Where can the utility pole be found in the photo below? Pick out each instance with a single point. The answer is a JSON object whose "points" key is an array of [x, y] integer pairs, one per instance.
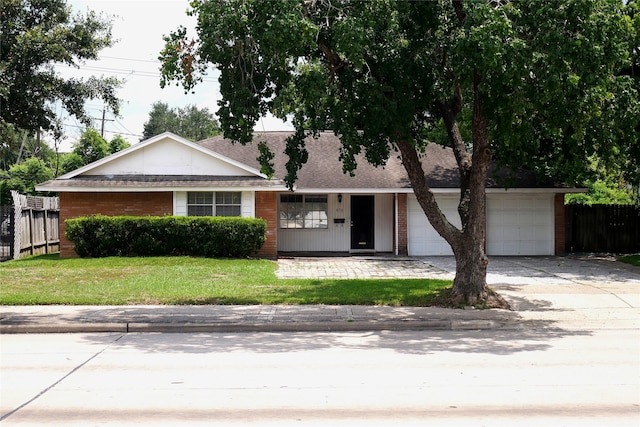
{"points": [[104, 120]]}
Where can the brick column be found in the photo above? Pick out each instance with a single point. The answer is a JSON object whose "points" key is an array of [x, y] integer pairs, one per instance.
{"points": [[267, 209], [402, 243], [559, 226]]}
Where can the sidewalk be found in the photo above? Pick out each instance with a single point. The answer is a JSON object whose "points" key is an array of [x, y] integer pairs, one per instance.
{"points": [[544, 292]]}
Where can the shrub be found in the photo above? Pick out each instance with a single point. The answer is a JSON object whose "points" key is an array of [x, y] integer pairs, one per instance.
{"points": [[100, 236]]}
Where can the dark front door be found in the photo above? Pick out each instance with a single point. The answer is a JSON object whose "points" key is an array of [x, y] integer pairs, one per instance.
{"points": [[362, 223]]}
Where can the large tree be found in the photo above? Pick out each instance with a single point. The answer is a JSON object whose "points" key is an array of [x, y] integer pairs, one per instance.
{"points": [[190, 122], [91, 147], [535, 83], [36, 35]]}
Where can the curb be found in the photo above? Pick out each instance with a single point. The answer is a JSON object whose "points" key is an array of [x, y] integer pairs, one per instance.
{"points": [[331, 326]]}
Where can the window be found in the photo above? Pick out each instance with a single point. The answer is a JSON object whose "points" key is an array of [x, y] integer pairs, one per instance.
{"points": [[303, 211], [228, 204], [201, 203]]}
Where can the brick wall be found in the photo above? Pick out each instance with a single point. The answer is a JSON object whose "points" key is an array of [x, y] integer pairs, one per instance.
{"points": [[402, 225], [266, 208], [559, 219], [73, 205]]}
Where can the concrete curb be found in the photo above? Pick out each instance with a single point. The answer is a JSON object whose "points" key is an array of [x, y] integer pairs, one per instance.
{"points": [[327, 326]]}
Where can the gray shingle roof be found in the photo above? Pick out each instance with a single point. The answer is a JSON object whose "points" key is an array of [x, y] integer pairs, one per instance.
{"points": [[324, 170]]}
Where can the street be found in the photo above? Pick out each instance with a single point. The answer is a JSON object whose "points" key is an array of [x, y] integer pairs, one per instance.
{"points": [[547, 377]]}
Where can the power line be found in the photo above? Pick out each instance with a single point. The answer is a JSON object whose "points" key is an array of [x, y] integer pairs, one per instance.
{"points": [[107, 131], [125, 72], [131, 59]]}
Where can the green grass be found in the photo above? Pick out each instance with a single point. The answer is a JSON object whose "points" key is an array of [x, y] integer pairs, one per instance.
{"points": [[631, 259], [182, 280]]}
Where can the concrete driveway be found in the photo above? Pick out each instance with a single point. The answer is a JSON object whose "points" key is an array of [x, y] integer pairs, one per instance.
{"points": [[582, 292]]}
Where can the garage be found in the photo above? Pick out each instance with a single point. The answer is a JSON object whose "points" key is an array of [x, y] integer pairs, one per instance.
{"points": [[517, 224], [520, 225], [422, 239]]}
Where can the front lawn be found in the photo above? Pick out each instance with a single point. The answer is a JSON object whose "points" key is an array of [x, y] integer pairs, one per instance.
{"points": [[48, 279]]}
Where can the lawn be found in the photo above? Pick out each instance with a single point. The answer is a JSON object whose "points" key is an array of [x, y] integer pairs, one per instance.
{"points": [[631, 259], [48, 279]]}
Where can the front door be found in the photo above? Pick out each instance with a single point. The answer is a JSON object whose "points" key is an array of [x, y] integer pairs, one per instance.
{"points": [[362, 222]]}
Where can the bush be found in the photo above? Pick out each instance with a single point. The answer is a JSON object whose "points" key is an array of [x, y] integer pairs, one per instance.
{"points": [[215, 237]]}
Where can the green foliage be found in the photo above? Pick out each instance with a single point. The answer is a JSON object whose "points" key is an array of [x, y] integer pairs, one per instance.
{"points": [[535, 84], [186, 280], [71, 161], [36, 34], [631, 259], [16, 145], [118, 143], [603, 193], [23, 178], [90, 148], [376, 72], [100, 236], [190, 122]]}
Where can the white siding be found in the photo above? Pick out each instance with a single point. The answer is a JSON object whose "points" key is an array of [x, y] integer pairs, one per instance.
{"points": [[337, 237], [384, 221], [168, 157], [180, 203], [248, 204]]}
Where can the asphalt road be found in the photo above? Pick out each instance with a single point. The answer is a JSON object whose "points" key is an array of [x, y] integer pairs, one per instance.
{"points": [[533, 377]]}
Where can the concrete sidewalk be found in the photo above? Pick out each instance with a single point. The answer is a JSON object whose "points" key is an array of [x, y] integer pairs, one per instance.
{"points": [[544, 292]]}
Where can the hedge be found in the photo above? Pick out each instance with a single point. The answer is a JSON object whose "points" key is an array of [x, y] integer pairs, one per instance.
{"points": [[101, 236]]}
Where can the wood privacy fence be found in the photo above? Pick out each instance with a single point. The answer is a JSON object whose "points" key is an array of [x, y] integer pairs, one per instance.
{"points": [[30, 226], [602, 228]]}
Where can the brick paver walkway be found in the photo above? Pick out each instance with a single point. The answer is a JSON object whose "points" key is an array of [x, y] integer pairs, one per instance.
{"points": [[358, 268]]}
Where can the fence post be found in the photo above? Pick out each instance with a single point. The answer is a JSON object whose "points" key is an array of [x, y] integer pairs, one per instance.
{"points": [[46, 233], [17, 215]]}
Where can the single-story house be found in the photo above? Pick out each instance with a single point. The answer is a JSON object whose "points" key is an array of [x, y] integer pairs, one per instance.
{"points": [[329, 211]]}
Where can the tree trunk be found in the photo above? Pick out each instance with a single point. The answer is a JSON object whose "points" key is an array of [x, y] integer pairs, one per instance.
{"points": [[468, 243]]}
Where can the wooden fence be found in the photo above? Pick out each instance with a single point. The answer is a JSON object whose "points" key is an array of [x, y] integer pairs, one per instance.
{"points": [[31, 227], [602, 228]]}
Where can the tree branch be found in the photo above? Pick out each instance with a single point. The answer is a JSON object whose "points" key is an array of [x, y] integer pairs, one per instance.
{"points": [[460, 13]]}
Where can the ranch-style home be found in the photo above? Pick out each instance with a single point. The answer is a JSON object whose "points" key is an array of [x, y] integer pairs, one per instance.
{"points": [[328, 212]]}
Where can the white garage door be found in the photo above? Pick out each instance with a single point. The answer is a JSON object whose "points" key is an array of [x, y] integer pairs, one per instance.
{"points": [[422, 239], [516, 225], [520, 225]]}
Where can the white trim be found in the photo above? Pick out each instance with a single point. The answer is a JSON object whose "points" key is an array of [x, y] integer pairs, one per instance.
{"points": [[452, 191], [64, 189], [396, 249]]}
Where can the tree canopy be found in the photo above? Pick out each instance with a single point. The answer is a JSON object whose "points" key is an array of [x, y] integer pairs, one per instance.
{"points": [[36, 35], [526, 83], [91, 147], [190, 122]]}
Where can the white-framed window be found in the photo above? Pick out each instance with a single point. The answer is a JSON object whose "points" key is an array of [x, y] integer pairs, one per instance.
{"points": [[303, 211], [208, 203]]}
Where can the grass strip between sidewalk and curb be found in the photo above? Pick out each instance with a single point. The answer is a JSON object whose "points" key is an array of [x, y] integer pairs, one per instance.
{"points": [[47, 279]]}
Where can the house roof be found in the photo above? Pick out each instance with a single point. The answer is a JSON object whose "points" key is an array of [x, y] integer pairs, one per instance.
{"points": [[168, 162], [324, 171]]}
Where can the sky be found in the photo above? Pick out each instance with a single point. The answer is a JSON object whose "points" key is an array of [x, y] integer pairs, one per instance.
{"points": [[138, 28]]}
